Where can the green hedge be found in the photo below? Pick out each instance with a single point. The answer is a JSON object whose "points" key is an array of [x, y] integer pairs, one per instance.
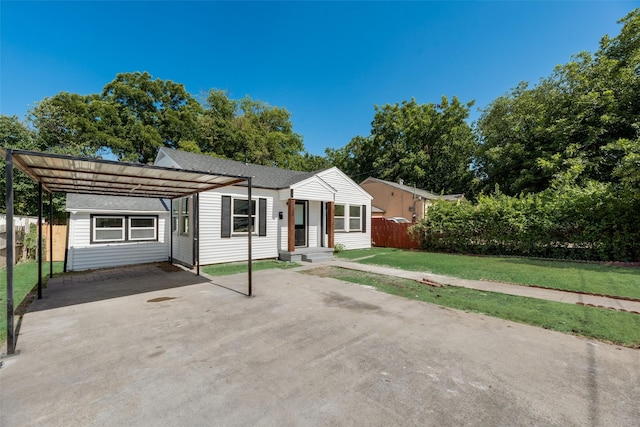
{"points": [[594, 222]]}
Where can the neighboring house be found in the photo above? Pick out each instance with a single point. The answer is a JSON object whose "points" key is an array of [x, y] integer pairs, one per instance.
{"points": [[376, 212], [315, 201], [399, 200]]}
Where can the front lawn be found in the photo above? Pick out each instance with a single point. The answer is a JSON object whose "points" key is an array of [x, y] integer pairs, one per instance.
{"points": [[241, 267], [616, 327], [573, 276], [25, 279]]}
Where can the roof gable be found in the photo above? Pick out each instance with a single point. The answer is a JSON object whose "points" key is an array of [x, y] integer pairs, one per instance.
{"points": [[344, 178]]}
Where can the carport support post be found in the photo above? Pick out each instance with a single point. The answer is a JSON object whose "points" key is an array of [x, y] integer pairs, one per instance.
{"points": [[11, 347], [39, 240], [250, 229], [196, 232], [50, 235]]}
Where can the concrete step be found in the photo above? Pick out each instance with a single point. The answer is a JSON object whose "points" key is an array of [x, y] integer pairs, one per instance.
{"points": [[318, 257]]}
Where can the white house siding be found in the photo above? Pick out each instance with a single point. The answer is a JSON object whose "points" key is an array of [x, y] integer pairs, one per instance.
{"points": [[349, 193], [314, 225], [282, 228], [312, 189], [214, 249], [182, 248], [83, 255], [182, 244]]}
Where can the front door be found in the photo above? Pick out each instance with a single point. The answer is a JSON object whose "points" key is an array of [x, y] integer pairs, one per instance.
{"points": [[301, 223]]}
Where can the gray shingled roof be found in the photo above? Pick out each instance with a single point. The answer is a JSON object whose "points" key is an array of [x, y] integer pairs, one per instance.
{"points": [[263, 176], [423, 193], [115, 203]]}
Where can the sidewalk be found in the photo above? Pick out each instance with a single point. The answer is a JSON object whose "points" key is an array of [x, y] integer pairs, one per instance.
{"points": [[504, 288]]}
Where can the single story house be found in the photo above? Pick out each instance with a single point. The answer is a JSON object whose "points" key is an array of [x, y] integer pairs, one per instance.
{"points": [[399, 200], [296, 216]]}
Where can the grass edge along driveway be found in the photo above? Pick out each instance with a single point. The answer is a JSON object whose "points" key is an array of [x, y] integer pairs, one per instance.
{"points": [[25, 279], [604, 325], [599, 279]]}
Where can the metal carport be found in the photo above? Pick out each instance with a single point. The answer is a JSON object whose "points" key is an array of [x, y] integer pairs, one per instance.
{"points": [[56, 173]]}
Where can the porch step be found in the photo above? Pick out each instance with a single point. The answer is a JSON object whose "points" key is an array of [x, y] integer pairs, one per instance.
{"points": [[317, 257], [307, 255]]}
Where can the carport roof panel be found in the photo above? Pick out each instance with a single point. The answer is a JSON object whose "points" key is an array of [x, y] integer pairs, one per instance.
{"points": [[83, 175]]}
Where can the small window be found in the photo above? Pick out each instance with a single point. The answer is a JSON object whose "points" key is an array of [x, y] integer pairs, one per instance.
{"points": [[142, 228], [184, 216], [108, 229], [240, 215], [338, 217], [354, 218], [174, 216]]}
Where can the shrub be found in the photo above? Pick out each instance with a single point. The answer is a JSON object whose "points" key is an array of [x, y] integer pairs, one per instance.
{"points": [[594, 222]]}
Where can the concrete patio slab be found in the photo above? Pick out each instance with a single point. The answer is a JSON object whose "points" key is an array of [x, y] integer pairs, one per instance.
{"points": [[304, 351]]}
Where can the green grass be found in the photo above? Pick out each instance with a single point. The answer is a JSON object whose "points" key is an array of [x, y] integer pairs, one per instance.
{"points": [[601, 324], [25, 279], [241, 267], [581, 277]]}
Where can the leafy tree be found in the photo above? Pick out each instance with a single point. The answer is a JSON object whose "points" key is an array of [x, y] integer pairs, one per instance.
{"points": [[428, 145], [587, 111], [132, 117], [74, 124], [249, 130], [14, 134], [149, 114]]}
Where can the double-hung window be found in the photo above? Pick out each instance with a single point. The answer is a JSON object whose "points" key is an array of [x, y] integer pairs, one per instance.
{"points": [[241, 215], [235, 217], [123, 228], [108, 229], [350, 218], [143, 228], [354, 218]]}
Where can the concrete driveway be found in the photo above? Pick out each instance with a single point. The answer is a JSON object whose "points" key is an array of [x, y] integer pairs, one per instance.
{"points": [[172, 349]]}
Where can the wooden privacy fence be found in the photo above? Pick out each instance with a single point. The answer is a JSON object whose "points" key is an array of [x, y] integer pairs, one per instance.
{"points": [[390, 234], [59, 241]]}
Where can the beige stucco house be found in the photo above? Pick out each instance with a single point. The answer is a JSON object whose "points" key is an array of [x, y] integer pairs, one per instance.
{"points": [[398, 200]]}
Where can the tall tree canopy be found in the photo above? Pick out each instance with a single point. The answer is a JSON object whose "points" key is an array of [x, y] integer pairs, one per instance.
{"points": [[132, 117], [428, 145], [135, 115], [585, 117], [14, 134], [249, 130], [149, 114]]}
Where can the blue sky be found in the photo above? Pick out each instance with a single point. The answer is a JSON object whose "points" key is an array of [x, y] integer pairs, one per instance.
{"points": [[328, 63]]}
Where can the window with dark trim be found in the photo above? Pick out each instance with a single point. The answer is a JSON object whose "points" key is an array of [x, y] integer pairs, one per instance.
{"points": [[235, 216], [143, 228], [108, 229], [354, 218], [350, 218], [240, 218], [123, 228]]}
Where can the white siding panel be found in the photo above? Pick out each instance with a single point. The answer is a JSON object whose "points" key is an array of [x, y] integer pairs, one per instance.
{"points": [[349, 193], [313, 190], [282, 225], [84, 256], [182, 249], [214, 249]]}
